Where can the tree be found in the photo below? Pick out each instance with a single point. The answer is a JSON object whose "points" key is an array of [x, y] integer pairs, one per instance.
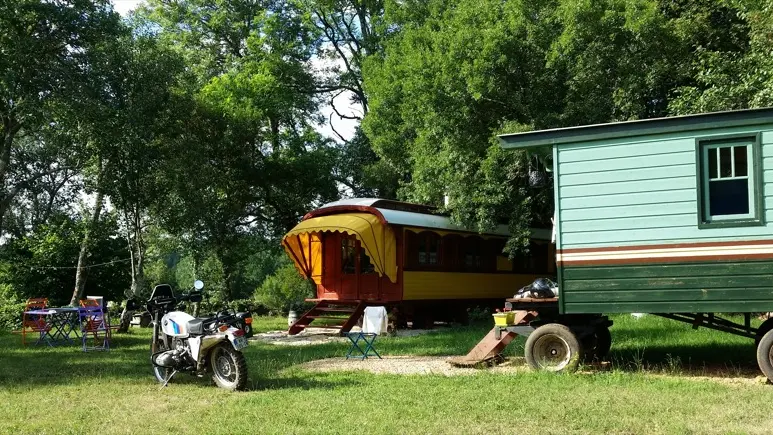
{"points": [[249, 160], [733, 69], [454, 74], [45, 47], [134, 104], [41, 264]]}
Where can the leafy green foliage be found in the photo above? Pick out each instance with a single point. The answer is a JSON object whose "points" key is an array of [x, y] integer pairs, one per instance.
{"points": [[197, 119], [452, 75], [285, 290], [42, 264], [11, 307], [732, 77], [45, 67]]}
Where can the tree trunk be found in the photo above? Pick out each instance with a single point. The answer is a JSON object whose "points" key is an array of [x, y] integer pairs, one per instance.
{"points": [[138, 275], [80, 274], [9, 128], [197, 305]]}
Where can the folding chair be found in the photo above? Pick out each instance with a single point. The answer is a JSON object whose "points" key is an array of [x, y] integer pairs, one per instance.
{"points": [[93, 323], [374, 322], [100, 300], [34, 323]]}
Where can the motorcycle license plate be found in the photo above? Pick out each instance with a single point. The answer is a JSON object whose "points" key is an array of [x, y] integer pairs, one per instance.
{"points": [[240, 343]]}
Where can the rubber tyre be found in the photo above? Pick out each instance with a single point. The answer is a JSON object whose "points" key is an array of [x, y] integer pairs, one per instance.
{"points": [[229, 367], [597, 345], [766, 326], [160, 373], [765, 355], [554, 348]]}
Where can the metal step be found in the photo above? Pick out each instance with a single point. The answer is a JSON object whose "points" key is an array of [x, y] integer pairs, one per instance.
{"points": [[336, 310]]}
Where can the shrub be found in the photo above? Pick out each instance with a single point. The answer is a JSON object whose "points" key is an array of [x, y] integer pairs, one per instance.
{"points": [[285, 290], [11, 307]]}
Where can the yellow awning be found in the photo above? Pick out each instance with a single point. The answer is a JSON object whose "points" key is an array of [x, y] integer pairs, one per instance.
{"points": [[304, 246]]}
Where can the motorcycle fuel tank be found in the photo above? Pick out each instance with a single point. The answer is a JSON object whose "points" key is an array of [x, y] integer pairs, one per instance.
{"points": [[175, 324]]}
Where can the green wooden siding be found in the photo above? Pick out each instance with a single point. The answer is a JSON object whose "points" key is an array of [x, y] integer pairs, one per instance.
{"points": [[737, 286], [642, 191]]}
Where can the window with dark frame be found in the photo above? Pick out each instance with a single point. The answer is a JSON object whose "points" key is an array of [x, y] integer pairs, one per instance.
{"points": [[429, 249], [348, 255], [728, 180]]}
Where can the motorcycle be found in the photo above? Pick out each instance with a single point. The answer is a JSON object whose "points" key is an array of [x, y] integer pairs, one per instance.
{"points": [[199, 346]]}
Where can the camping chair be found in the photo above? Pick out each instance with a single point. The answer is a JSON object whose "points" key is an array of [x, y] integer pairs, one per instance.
{"points": [[374, 322], [34, 323], [93, 323], [102, 303]]}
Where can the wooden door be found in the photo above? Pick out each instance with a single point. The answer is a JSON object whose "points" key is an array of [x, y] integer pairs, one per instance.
{"points": [[369, 280], [347, 267]]}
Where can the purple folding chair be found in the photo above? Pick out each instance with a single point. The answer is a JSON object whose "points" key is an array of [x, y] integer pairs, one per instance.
{"points": [[93, 325]]}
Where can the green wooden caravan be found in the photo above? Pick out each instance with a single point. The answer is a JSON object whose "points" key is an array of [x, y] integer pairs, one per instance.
{"points": [[672, 216]]}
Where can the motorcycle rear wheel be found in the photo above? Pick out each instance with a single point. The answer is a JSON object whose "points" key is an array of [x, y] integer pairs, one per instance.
{"points": [[160, 373], [229, 367]]}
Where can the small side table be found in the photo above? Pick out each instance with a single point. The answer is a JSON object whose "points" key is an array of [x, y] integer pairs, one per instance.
{"points": [[367, 339]]}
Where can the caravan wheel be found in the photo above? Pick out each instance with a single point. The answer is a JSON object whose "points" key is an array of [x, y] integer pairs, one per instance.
{"points": [[554, 348]]}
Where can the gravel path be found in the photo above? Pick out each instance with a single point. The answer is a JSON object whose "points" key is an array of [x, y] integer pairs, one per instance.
{"points": [[408, 365]]}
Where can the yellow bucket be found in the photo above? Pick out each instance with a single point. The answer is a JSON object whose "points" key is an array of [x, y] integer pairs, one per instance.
{"points": [[504, 319]]}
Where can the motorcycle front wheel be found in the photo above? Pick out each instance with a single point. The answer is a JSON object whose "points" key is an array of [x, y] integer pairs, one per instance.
{"points": [[229, 367]]}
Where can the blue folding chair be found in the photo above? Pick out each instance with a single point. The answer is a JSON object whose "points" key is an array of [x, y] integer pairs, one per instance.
{"points": [[374, 321], [367, 339]]}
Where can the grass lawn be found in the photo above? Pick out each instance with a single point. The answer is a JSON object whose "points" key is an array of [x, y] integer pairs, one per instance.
{"points": [[657, 384]]}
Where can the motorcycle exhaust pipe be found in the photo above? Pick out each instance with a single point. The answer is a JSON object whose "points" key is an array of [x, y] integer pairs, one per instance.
{"points": [[164, 359]]}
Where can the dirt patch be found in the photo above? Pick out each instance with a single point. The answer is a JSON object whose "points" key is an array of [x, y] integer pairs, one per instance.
{"points": [[312, 336], [408, 365], [440, 365]]}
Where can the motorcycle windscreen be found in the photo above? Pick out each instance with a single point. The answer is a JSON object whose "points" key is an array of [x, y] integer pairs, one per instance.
{"points": [[162, 291]]}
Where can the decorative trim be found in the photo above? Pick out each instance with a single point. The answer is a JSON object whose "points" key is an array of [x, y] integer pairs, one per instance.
{"points": [[716, 251], [628, 129], [343, 209]]}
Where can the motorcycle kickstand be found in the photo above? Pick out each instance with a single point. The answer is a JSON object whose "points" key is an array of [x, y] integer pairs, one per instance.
{"points": [[174, 372]]}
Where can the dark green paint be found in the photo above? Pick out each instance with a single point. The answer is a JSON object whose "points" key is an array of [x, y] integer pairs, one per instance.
{"points": [[660, 295], [730, 286], [709, 282], [744, 306], [706, 269], [628, 129]]}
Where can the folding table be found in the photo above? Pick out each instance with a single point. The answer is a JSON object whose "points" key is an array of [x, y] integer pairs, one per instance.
{"points": [[63, 321]]}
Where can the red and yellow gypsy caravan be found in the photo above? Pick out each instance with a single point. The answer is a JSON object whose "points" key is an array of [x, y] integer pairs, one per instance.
{"points": [[362, 252]]}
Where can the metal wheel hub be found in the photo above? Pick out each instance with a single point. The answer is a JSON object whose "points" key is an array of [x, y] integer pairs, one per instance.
{"points": [[224, 366], [552, 352]]}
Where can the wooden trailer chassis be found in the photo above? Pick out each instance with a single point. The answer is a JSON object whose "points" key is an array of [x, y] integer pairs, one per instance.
{"points": [[531, 314]]}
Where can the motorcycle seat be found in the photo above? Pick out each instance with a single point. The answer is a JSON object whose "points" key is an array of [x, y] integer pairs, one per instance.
{"points": [[196, 326]]}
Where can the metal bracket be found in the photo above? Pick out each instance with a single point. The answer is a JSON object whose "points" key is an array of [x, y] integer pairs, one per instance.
{"points": [[174, 372]]}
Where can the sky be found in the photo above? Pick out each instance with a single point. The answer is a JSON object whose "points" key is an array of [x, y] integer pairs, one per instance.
{"points": [[344, 127]]}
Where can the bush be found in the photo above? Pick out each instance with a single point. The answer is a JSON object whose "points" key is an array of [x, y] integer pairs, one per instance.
{"points": [[285, 290], [11, 307]]}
